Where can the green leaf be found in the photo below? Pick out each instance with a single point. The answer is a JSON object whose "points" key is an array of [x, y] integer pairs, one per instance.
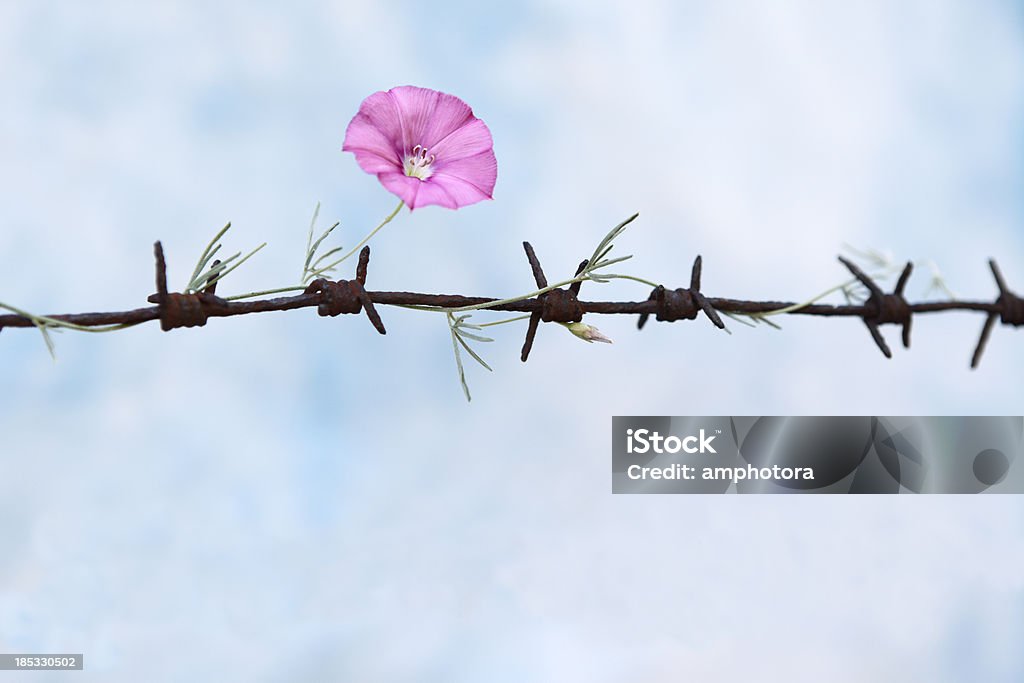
{"points": [[472, 352]]}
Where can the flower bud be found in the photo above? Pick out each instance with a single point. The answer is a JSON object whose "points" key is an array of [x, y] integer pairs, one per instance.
{"points": [[587, 333]]}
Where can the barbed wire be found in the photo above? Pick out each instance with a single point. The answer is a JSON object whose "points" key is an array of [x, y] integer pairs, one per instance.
{"points": [[554, 305]]}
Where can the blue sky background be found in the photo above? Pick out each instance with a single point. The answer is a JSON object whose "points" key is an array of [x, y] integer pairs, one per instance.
{"points": [[281, 497]]}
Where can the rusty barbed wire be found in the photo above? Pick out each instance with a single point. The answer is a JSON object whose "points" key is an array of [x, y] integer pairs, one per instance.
{"points": [[560, 305]]}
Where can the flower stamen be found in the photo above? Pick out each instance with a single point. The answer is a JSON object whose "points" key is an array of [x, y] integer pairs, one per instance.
{"points": [[417, 164]]}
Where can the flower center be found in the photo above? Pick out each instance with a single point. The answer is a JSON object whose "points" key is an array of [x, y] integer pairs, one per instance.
{"points": [[418, 163]]}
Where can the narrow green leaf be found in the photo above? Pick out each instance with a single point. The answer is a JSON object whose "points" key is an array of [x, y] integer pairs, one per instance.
{"points": [[475, 337], [471, 352]]}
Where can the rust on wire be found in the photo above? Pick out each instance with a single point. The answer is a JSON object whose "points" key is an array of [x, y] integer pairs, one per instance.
{"points": [[542, 282], [681, 304], [212, 287], [180, 310], [1009, 309], [884, 308], [561, 305], [347, 296], [557, 305]]}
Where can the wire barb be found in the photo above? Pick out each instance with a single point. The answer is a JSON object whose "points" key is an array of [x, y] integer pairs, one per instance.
{"points": [[1009, 309], [181, 310], [884, 308], [682, 304], [212, 287], [556, 305], [347, 296], [193, 309]]}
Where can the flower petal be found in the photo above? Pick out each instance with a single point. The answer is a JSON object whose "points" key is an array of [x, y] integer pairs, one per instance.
{"points": [[415, 107], [462, 192], [429, 116], [415, 192], [479, 171], [380, 112], [389, 124], [375, 153], [472, 138]]}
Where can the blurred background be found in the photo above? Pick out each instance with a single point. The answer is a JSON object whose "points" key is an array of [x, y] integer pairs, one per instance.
{"points": [[281, 497]]}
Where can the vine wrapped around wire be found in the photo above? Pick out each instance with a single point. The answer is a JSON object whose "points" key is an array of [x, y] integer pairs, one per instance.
{"points": [[428, 148]]}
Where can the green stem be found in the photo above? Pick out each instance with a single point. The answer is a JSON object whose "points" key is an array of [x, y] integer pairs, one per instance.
{"points": [[324, 269], [211, 279], [43, 320], [837, 288], [279, 290], [512, 300], [506, 320], [563, 283], [208, 253], [311, 274], [418, 307], [614, 276], [797, 307]]}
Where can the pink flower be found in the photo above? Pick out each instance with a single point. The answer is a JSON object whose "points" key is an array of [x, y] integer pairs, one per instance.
{"points": [[424, 146]]}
